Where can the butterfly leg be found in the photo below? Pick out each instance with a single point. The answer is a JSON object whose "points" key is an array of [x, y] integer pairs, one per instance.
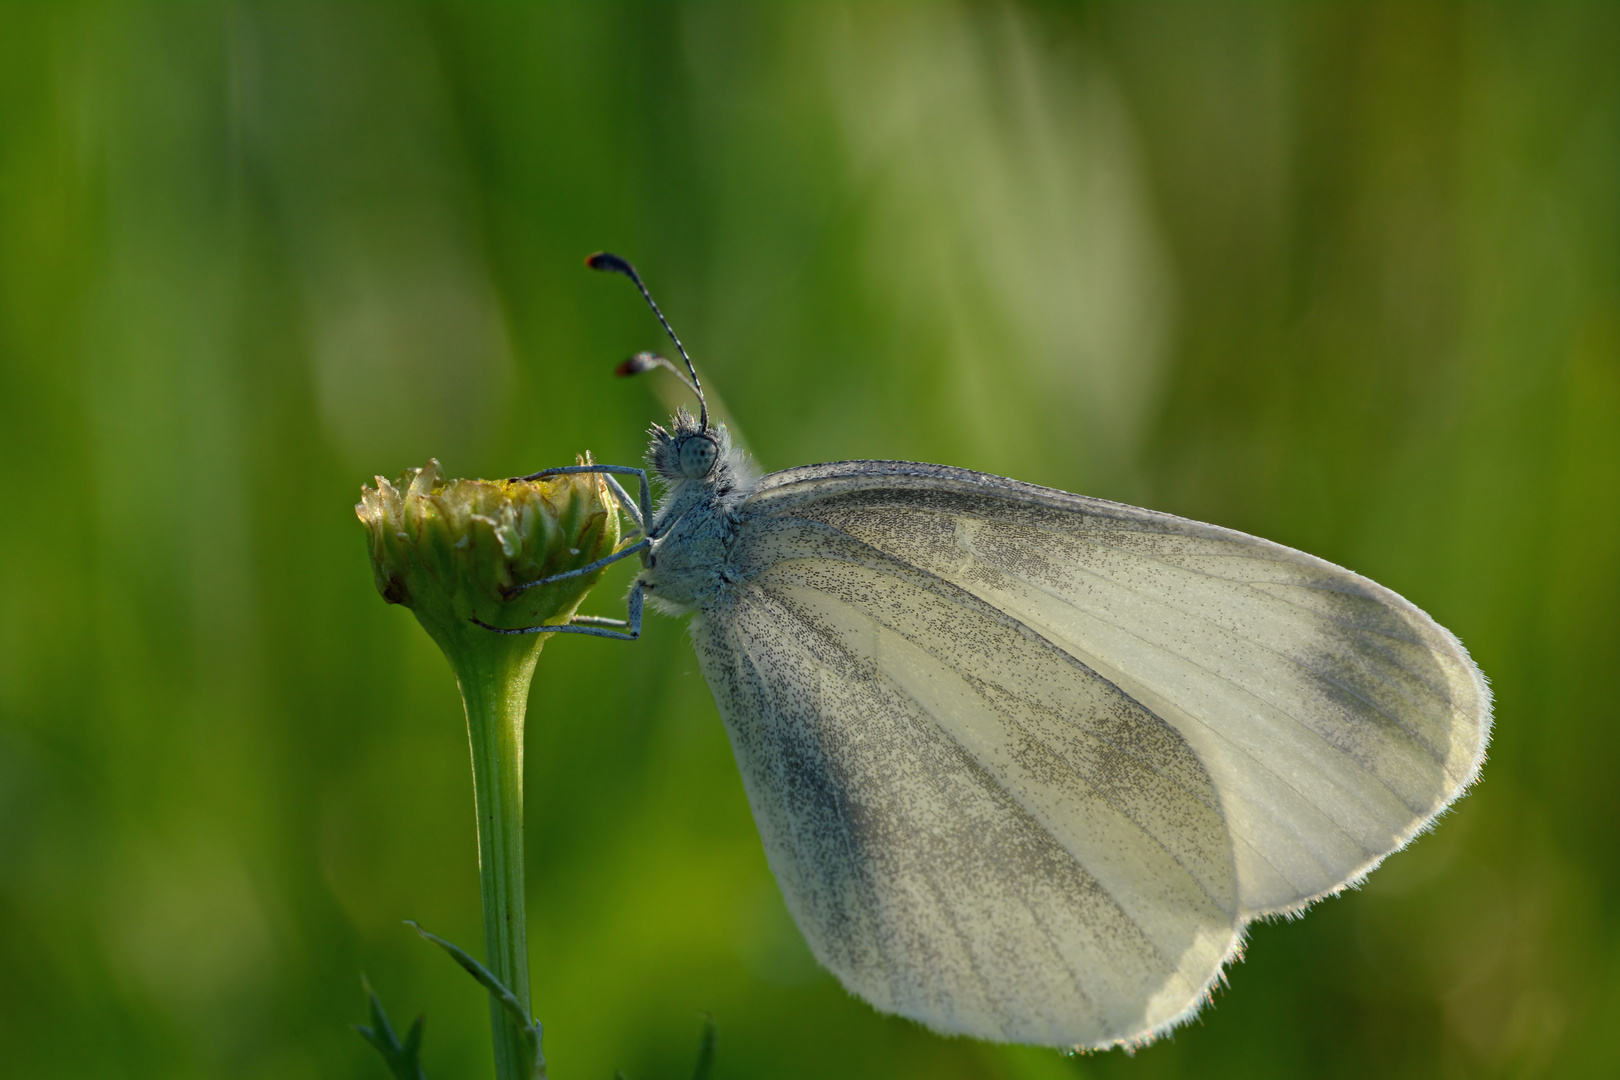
{"points": [[593, 625], [639, 509], [596, 620], [591, 568], [627, 503]]}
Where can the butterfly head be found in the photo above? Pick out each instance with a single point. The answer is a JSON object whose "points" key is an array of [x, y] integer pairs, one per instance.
{"points": [[685, 453], [685, 450], [690, 452]]}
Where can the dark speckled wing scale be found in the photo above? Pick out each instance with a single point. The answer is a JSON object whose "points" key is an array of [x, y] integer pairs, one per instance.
{"points": [[1025, 763]]}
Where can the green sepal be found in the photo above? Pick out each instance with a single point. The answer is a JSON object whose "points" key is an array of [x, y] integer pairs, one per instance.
{"points": [[452, 550]]}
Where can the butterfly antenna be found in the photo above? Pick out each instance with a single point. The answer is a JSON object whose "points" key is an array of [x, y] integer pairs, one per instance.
{"points": [[608, 262], [646, 361]]}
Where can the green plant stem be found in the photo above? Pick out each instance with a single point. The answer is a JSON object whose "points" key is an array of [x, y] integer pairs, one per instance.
{"points": [[494, 673]]}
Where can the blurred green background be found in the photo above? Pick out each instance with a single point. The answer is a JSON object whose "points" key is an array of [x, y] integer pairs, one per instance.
{"points": [[1343, 275]]}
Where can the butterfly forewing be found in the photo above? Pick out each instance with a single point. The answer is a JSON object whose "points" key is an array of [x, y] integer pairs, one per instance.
{"points": [[1333, 717]]}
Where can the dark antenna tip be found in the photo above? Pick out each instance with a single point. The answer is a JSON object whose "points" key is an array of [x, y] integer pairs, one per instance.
{"points": [[635, 365], [646, 361], [611, 263]]}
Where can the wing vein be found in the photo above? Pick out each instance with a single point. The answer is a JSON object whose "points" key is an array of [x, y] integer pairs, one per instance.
{"points": [[1416, 738], [1440, 693], [962, 598], [968, 601], [1049, 753]]}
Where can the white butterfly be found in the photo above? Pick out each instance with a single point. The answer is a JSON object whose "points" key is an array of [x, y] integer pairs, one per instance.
{"points": [[1026, 763]]}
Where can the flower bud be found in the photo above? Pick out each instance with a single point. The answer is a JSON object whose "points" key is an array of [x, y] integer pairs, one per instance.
{"points": [[452, 550]]}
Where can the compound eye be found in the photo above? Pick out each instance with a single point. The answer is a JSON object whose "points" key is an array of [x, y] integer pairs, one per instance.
{"points": [[697, 454]]}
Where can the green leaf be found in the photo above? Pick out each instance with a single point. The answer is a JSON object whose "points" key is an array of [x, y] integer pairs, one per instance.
{"points": [[528, 1026], [400, 1056], [706, 1048]]}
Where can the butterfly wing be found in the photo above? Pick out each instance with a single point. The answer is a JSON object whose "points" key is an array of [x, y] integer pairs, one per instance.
{"points": [[970, 828], [1024, 762]]}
